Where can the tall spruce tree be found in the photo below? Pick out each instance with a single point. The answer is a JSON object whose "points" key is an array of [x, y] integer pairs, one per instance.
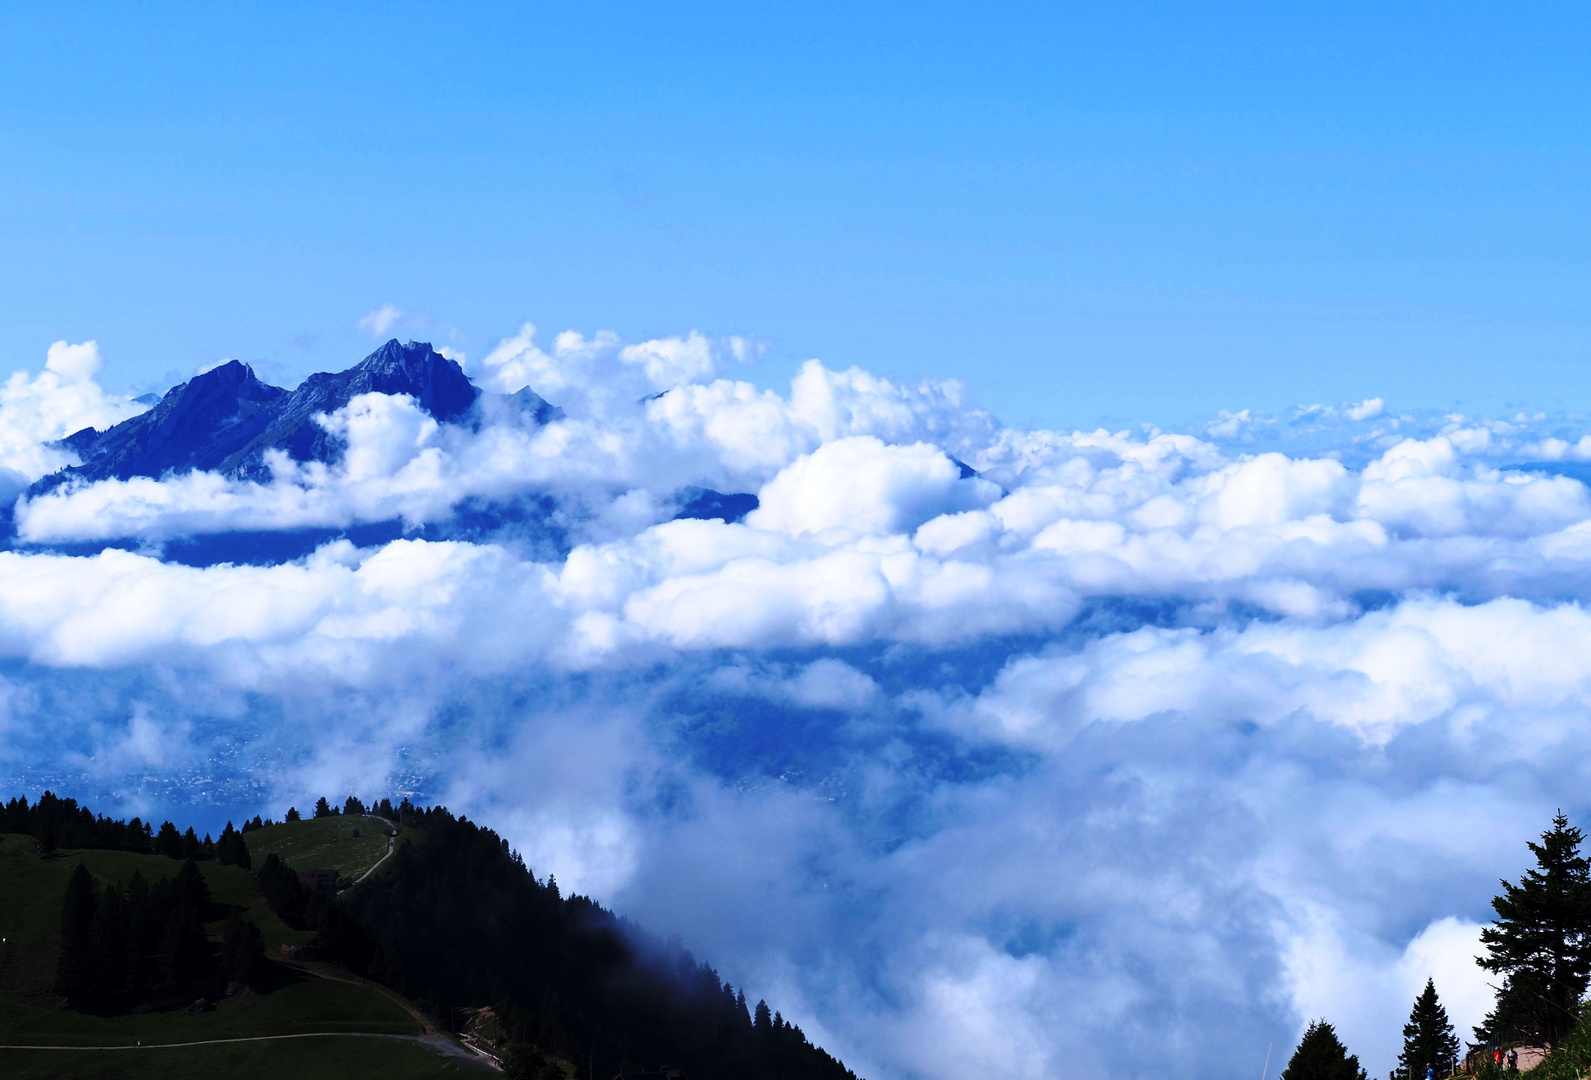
{"points": [[1321, 1056], [1428, 1037], [75, 970], [1540, 941]]}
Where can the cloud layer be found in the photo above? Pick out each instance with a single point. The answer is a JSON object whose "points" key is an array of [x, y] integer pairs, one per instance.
{"points": [[1111, 753]]}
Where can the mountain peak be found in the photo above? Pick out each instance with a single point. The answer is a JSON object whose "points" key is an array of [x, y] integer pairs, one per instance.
{"points": [[416, 369], [394, 352], [231, 377], [226, 419]]}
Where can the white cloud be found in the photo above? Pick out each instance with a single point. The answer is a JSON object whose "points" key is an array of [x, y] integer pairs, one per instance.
{"points": [[37, 410], [378, 322], [862, 485], [671, 362], [73, 363], [825, 683], [1182, 740]]}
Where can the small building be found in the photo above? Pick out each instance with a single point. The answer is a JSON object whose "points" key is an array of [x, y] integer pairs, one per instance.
{"points": [[324, 880]]}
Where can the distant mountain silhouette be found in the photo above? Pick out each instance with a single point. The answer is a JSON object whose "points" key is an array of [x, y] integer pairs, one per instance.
{"points": [[226, 419]]}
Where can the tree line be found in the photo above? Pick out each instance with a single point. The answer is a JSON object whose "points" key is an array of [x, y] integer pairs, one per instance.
{"points": [[61, 823], [1539, 947]]}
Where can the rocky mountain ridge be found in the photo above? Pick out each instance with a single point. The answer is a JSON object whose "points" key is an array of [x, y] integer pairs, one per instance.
{"points": [[225, 419]]}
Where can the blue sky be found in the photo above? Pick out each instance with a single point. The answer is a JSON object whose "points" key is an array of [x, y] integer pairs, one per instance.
{"points": [[1113, 212]]}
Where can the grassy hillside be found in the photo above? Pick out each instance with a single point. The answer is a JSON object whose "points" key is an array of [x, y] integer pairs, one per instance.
{"points": [[292, 1001], [326, 843], [300, 1059]]}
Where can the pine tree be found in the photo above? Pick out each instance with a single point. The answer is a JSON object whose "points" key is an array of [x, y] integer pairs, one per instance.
{"points": [[169, 842], [74, 971], [142, 934], [242, 950], [322, 807], [1321, 1056], [1428, 1037], [1541, 939], [292, 814], [232, 849], [107, 949]]}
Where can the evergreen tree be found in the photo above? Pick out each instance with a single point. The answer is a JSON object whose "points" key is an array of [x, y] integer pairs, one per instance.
{"points": [[292, 814], [74, 971], [184, 952], [191, 889], [231, 849], [322, 807], [353, 807], [1541, 939], [169, 842], [1321, 1056], [107, 949], [1505, 1023], [279, 885], [242, 951], [137, 838], [142, 934], [1428, 1037]]}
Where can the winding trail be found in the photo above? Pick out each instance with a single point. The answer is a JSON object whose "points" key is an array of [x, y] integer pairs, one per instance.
{"points": [[392, 845], [332, 973]]}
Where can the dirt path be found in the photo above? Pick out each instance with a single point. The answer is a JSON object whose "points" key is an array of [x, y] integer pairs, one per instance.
{"points": [[434, 1042], [392, 845], [433, 1035], [342, 975]]}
